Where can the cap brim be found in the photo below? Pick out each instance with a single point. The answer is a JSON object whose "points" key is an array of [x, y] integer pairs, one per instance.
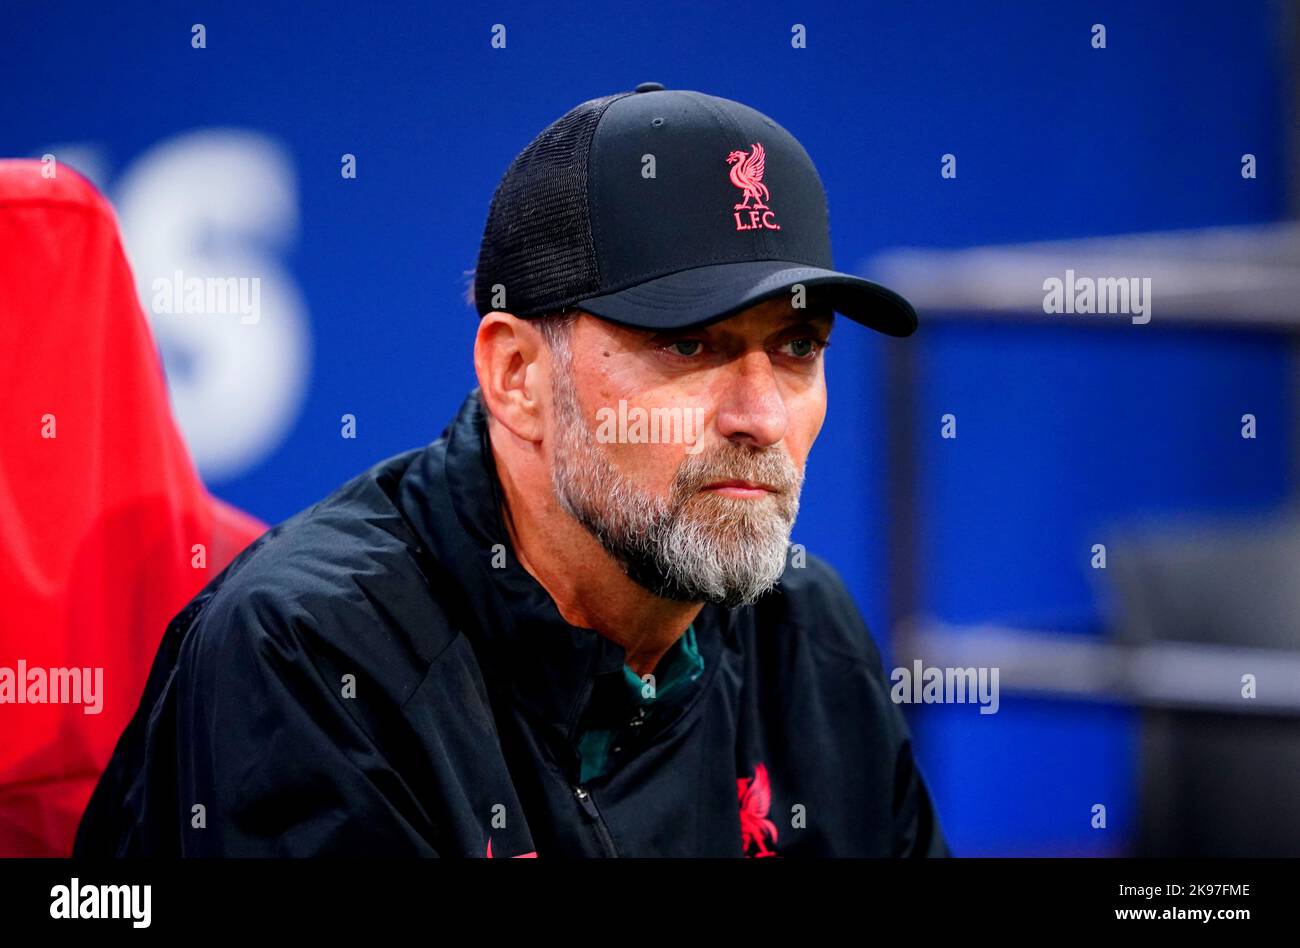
{"points": [[710, 293]]}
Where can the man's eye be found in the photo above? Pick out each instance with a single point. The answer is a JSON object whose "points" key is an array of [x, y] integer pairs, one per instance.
{"points": [[686, 347], [805, 348]]}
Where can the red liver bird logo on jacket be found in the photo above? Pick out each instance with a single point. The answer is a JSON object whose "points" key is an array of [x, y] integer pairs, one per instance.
{"points": [[747, 174], [532, 855], [755, 801]]}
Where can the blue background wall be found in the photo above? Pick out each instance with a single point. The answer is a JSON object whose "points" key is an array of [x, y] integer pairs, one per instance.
{"points": [[1062, 429]]}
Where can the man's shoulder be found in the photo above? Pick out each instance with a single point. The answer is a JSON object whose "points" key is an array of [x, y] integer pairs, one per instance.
{"points": [[812, 596], [343, 531], [345, 580]]}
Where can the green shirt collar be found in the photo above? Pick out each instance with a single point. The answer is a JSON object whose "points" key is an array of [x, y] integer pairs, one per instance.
{"points": [[682, 663]]}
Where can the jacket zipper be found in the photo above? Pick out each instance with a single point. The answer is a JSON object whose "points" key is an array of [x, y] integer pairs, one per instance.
{"points": [[589, 807]]}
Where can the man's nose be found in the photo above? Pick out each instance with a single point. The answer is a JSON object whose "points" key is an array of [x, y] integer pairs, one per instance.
{"points": [[752, 409]]}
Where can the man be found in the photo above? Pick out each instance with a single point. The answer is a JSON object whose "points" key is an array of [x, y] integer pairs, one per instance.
{"points": [[569, 626]]}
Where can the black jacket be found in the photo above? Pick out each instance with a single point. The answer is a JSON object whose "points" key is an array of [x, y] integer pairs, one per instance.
{"points": [[457, 728]]}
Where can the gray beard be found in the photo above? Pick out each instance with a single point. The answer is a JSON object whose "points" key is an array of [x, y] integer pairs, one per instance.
{"points": [[692, 546]]}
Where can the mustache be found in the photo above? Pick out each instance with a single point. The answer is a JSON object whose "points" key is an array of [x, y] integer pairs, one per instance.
{"points": [[770, 467]]}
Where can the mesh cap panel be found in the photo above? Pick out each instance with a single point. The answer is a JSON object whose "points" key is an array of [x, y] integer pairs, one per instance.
{"points": [[537, 242]]}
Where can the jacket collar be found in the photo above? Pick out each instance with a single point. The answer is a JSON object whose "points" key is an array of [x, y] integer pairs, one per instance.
{"points": [[453, 498]]}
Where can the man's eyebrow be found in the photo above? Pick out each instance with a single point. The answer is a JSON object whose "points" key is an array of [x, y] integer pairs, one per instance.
{"points": [[809, 316]]}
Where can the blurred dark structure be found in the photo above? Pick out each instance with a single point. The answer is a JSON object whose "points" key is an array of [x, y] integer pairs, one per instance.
{"points": [[1126, 434], [1222, 779]]}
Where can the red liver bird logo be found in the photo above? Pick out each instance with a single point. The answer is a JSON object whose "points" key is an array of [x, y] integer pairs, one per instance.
{"points": [[755, 800], [532, 855], [747, 174]]}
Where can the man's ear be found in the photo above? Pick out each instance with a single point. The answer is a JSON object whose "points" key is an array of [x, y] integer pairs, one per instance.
{"points": [[508, 359]]}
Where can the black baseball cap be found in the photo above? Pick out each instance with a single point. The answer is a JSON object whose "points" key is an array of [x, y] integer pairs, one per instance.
{"points": [[662, 209]]}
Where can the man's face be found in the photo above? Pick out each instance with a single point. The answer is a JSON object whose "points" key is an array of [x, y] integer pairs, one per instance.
{"points": [[683, 451]]}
